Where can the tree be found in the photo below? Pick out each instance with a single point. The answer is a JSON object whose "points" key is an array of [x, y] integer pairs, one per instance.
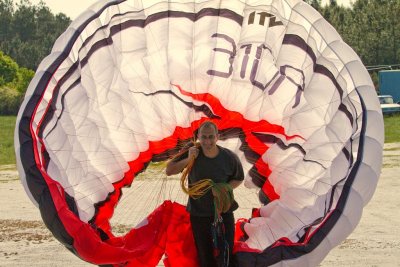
{"points": [[29, 32], [370, 27], [10, 101], [13, 84], [8, 69], [24, 24], [377, 31], [314, 3], [24, 77], [6, 13]]}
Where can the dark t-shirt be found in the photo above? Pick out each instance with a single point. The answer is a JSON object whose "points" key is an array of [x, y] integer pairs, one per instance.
{"points": [[221, 169]]}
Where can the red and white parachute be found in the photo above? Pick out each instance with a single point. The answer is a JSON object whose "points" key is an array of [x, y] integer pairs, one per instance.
{"points": [[130, 81]]}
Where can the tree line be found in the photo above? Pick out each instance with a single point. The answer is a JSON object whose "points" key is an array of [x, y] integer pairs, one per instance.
{"points": [[371, 28], [28, 32]]}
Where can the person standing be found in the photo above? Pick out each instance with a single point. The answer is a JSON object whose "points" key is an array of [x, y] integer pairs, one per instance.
{"points": [[222, 171]]}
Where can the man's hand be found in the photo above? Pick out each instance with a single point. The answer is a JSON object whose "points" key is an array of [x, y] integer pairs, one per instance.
{"points": [[175, 167], [193, 152]]}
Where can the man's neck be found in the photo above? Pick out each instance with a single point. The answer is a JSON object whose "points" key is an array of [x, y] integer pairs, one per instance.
{"points": [[211, 153]]}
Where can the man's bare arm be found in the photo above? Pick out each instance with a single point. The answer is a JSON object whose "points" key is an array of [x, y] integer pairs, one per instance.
{"points": [[175, 167]]}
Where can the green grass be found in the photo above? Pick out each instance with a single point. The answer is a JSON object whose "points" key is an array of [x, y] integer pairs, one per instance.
{"points": [[392, 129], [7, 124], [7, 154]]}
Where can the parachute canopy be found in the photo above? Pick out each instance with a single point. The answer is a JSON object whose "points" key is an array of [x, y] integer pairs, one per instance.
{"points": [[129, 82]]}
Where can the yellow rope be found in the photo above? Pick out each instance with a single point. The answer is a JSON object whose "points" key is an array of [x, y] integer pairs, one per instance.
{"points": [[198, 189]]}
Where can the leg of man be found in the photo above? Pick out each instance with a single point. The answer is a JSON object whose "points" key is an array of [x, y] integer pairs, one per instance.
{"points": [[201, 228], [229, 223]]}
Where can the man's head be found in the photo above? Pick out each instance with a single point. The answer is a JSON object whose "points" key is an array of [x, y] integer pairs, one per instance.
{"points": [[208, 136]]}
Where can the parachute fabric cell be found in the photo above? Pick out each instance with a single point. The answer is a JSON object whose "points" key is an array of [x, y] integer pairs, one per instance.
{"points": [[130, 81]]}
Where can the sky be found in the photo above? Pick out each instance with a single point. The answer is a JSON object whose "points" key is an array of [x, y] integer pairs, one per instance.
{"points": [[72, 8]]}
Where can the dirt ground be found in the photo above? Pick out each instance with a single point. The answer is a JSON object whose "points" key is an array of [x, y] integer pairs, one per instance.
{"points": [[25, 241]]}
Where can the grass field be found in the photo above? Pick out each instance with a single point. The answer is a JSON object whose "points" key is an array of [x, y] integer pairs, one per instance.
{"points": [[392, 129], [7, 125], [7, 154]]}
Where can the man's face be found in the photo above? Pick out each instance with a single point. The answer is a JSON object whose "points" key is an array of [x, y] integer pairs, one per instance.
{"points": [[208, 138]]}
